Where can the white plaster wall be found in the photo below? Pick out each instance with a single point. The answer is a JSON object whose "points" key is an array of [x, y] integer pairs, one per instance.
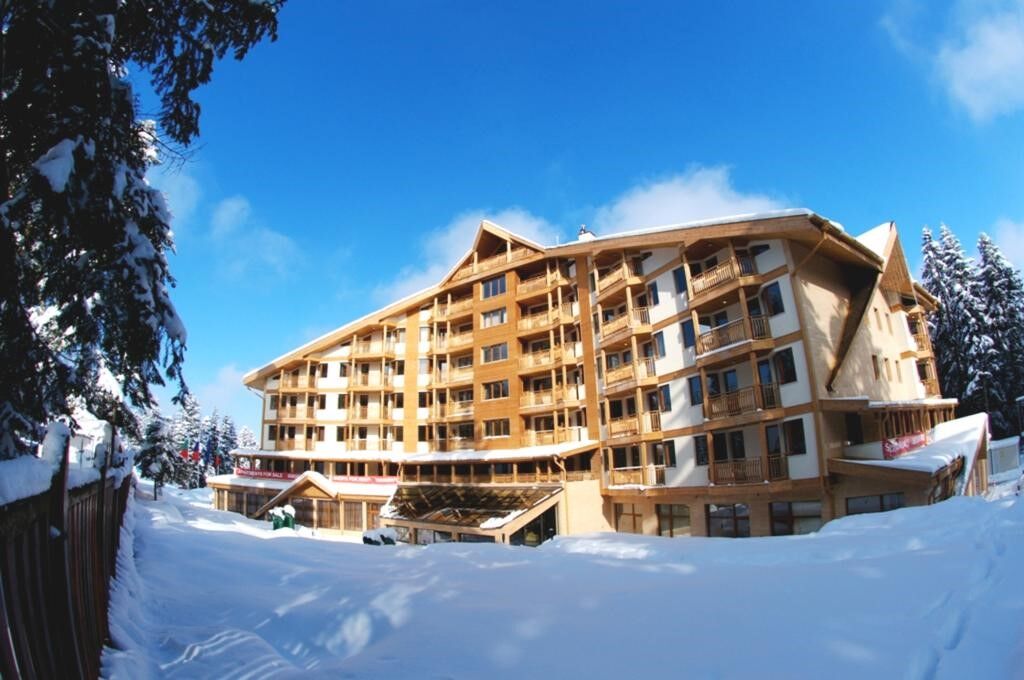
{"points": [[659, 258], [798, 392], [788, 321], [805, 465], [774, 257], [686, 472]]}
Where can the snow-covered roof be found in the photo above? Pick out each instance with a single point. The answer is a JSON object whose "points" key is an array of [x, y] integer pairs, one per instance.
{"points": [[877, 238], [362, 456], [335, 488], [951, 440], [911, 403], [499, 455], [729, 219]]}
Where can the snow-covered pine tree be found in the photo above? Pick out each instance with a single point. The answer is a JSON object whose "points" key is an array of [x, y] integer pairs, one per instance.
{"points": [[956, 327], [157, 455], [1001, 291], [84, 280], [211, 437], [247, 439], [188, 425], [228, 442]]}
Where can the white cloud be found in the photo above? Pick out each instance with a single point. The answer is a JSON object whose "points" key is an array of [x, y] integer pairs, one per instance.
{"points": [[1009, 236], [983, 66], [227, 394], [444, 247], [699, 193], [230, 214], [243, 244], [181, 192]]}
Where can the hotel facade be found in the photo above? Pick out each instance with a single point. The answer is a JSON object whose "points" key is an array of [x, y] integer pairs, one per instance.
{"points": [[748, 376]]}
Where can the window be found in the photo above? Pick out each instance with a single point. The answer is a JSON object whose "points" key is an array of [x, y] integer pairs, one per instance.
{"points": [[888, 322], [353, 515], [323, 370], [679, 277], [878, 318], [628, 518], [421, 433], [756, 250], [492, 287], [496, 390], [875, 366], [496, 428], [689, 338], [696, 391], [424, 333], [899, 371], [399, 400], [342, 370], [423, 400], [494, 317], [773, 439], [888, 369], [664, 453], [424, 367], [399, 368], [785, 366], [652, 292], [795, 517], [273, 402], [700, 446], [342, 399], [772, 297], [730, 521], [493, 353], [464, 361], [859, 505], [673, 520], [399, 433], [339, 433], [659, 345], [665, 398], [272, 433], [321, 401], [796, 443]]}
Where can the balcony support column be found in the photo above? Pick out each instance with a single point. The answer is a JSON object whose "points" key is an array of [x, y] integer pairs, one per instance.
{"points": [[712, 469], [746, 314], [763, 436]]}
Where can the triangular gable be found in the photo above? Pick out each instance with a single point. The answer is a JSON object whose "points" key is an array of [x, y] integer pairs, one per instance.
{"points": [[308, 479], [489, 239]]}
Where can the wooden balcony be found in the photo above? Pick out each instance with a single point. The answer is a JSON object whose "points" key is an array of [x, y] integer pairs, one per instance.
{"points": [[638, 370], [291, 381], [750, 470], [370, 381], [548, 357], [365, 349], [630, 426], [923, 342], [742, 401], [637, 321], [449, 343], [297, 412], [455, 444], [458, 307], [541, 282], [931, 387], [561, 435], [732, 333], [290, 445], [633, 476], [491, 263], [625, 270], [722, 274], [537, 398], [458, 408]]}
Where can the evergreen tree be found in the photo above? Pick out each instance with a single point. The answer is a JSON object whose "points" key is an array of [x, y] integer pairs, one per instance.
{"points": [[1001, 291], [956, 327], [211, 438], [229, 442], [157, 456], [188, 426], [247, 439], [84, 280]]}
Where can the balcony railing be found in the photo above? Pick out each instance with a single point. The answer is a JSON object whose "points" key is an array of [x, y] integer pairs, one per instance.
{"points": [[458, 408], [637, 370], [750, 470], [537, 398], [733, 332], [617, 273], [922, 341], [292, 380], [371, 348], [628, 475], [721, 274], [493, 262], [560, 436], [297, 411], [458, 306], [371, 380], [541, 281], [742, 401], [628, 426], [640, 317], [931, 387]]}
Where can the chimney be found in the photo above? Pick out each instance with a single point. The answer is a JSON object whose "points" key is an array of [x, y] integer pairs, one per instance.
{"points": [[585, 234]]}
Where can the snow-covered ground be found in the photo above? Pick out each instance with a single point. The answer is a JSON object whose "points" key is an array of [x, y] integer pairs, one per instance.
{"points": [[934, 592]]}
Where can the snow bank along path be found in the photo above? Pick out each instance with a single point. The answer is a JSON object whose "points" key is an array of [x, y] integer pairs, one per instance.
{"points": [[933, 592]]}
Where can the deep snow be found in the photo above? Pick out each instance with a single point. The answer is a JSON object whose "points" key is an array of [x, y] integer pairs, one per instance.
{"points": [[935, 592]]}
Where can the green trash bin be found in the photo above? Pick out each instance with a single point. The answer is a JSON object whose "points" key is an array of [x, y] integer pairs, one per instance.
{"points": [[278, 522], [289, 521]]}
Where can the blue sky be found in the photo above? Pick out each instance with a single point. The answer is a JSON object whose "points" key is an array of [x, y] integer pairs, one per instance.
{"points": [[351, 160]]}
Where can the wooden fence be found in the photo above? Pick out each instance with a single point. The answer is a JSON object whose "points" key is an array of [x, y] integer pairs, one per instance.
{"points": [[58, 551]]}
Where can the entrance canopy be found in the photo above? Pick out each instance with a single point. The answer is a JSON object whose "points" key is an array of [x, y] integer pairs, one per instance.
{"points": [[470, 509]]}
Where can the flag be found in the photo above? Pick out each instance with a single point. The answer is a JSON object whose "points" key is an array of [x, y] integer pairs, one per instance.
{"points": [[197, 452]]}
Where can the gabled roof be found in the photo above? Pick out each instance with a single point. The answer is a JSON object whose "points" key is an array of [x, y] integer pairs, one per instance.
{"points": [[309, 478]]}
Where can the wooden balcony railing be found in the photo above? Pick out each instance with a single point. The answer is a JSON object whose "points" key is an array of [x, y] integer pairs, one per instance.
{"points": [[923, 342], [546, 357], [298, 380], [371, 380], [298, 411], [721, 274], [750, 470], [560, 436], [537, 398], [537, 320], [931, 387], [743, 400], [541, 281], [623, 476], [458, 306], [617, 273], [289, 444], [493, 262], [628, 426], [733, 332], [637, 370], [459, 408], [371, 348], [640, 317]]}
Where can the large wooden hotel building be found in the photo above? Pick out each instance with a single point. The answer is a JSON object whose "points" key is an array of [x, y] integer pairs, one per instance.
{"points": [[747, 376]]}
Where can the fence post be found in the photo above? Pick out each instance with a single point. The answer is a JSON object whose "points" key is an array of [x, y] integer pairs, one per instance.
{"points": [[60, 587]]}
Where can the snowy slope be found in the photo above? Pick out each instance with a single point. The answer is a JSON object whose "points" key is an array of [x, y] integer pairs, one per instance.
{"points": [[917, 593]]}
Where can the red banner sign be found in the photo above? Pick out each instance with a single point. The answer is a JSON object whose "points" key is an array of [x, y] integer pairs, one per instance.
{"points": [[897, 446]]}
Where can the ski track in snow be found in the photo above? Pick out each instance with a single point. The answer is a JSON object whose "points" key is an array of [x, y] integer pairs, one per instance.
{"points": [[919, 593]]}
